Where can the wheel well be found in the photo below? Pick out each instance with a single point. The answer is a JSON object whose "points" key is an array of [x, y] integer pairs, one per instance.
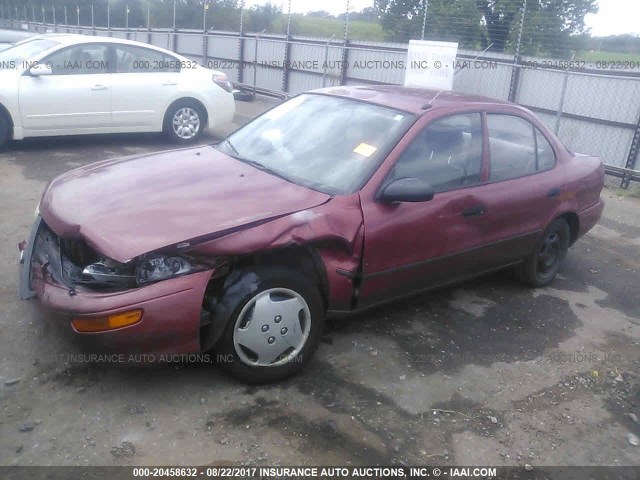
{"points": [[5, 113], [574, 225], [304, 259], [188, 99]]}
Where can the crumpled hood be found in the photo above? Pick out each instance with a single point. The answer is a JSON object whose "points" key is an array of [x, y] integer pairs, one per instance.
{"points": [[130, 206]]}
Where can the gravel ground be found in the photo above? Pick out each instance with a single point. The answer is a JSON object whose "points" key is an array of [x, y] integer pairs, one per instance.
{"points": [[487, 372]]}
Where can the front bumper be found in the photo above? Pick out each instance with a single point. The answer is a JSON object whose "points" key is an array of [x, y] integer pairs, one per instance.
{"points": [[171, 308]]}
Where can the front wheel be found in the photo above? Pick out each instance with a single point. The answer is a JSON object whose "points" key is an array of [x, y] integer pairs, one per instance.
{"points": [[5, 131], [183, 122], [543, 265], [275, 328]]}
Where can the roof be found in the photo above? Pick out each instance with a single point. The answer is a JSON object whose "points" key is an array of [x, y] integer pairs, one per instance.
{"points": [[408, 99], [76, 38]]}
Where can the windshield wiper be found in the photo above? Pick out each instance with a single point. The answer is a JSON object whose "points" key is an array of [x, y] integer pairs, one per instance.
{"points": [[228, 143]]}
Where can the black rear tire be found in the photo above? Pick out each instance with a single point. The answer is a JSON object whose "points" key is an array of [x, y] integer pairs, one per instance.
{"points": [[542, 266], [196, 112], [256, 283], [5, 131]]}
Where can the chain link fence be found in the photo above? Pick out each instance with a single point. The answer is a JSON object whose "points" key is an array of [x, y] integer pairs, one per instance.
{"points": [[524, 51]]}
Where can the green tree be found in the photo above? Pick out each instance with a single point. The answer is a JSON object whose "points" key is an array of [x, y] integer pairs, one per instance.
{"points": [[494, 24]]}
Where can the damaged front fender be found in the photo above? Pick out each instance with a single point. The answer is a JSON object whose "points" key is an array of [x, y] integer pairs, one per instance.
{"points": [[334, 230]]}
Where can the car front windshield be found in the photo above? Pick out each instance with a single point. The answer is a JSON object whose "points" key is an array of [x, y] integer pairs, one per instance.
{"points": [[12, 57], [326, 143]]}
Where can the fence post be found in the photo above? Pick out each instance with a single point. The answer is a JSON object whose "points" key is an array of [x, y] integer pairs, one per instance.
{"points": [[344, 67], [205, 45], [632, 158], [563, 94], [515, 73], [149, 35], [325, 66], [65, 16], [287, 52], [174, 37], [425, 6], [241, 45]]}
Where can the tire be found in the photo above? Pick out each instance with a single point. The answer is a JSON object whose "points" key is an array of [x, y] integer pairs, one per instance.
{"points": [[279, 342], [543, 265], [193, 117], [5, 131]]}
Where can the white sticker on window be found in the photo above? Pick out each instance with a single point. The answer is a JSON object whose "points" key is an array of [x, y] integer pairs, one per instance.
{"points": [[365, 150]]}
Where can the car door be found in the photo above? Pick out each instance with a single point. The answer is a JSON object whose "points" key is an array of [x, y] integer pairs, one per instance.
{"points": [[74, 97], [524, 186], [145, 82], [413, 246]]}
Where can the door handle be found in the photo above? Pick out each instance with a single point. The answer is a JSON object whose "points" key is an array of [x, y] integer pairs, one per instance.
{"points": [[98, 87], [475, 211], [169, 84], [554, 192]]}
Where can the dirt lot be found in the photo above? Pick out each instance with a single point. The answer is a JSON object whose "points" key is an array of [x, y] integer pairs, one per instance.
{"points": [[488, 372]]}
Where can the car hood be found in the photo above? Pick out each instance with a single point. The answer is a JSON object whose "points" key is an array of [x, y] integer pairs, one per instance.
{"points": [[130, 206]]}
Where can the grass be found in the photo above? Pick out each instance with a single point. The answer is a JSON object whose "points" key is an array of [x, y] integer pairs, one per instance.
{"points": [[326, 27], [599, 55]]}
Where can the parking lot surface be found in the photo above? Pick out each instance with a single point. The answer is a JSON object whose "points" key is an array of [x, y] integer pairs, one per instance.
{"points": [[488, 372]]}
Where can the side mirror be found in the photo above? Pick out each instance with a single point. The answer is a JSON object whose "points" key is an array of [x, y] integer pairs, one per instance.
{"points": [[40, 69], [407, 190]]}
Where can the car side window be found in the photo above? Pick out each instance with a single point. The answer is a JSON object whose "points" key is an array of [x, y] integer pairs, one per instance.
{"points": [[83, 59], [546, 156], [447, 154], [513, 148], [131, 59]]}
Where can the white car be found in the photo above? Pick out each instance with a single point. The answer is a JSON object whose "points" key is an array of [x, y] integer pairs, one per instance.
{"points": [[64, 84]]}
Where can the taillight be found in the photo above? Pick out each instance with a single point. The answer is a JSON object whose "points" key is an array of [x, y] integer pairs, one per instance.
{"points": [[223, 82]]}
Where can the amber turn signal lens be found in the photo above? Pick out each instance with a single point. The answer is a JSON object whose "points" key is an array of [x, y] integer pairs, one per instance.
{"points": [[111, 322]]}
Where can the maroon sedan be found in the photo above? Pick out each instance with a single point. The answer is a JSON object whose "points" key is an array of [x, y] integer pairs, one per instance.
{"points": [[334, 202]]}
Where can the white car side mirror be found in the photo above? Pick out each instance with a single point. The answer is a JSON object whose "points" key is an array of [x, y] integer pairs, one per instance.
{"points": [[40, 69]]}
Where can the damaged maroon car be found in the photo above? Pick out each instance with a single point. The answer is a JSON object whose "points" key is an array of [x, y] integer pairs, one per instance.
{"points": [[331, 203]]}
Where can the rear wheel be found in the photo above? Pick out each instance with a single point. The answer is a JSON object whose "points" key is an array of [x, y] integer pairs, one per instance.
{"points": [[275, 327], [184, 121], [544, 263]]}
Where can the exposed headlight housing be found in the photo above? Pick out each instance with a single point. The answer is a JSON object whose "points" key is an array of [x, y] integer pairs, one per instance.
{"points": [[155, 267], [223, 82]]}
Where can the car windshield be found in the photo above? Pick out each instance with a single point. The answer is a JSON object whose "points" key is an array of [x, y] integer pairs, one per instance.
{"points": [[326, 143], [23, 51]]}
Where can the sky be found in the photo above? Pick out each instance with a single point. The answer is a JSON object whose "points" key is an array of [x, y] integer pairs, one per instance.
{"points": [[614, 17]]}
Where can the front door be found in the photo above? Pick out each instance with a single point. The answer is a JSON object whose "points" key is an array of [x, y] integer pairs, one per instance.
{"points": [[75, 97], [413, 246]]}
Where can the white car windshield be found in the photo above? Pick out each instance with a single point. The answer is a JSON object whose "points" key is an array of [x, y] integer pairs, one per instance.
{"points": [[24, 51], [326, 143]]}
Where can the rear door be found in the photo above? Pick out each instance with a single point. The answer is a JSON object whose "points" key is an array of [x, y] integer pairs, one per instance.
{"points": [[412, 246], [524, 186], [144, 83]]}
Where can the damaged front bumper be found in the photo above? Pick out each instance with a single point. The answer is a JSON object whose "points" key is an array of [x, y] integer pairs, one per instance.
{"points": [[171, 309]]}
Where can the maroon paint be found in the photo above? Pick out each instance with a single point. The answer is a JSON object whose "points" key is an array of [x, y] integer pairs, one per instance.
{"points": [[127, 207]]}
